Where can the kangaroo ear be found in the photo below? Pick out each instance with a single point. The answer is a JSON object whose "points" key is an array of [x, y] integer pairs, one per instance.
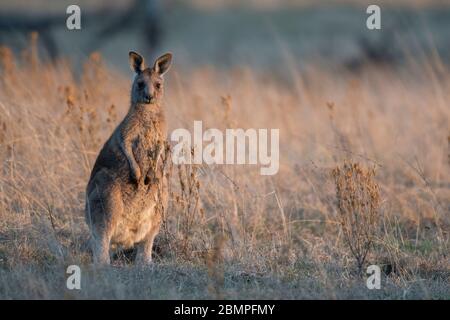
{"points": [[136, 62], [162, 64]]}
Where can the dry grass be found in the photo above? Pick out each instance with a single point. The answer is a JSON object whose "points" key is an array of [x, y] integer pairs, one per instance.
{"points": [[358, 201], [230, 232]]}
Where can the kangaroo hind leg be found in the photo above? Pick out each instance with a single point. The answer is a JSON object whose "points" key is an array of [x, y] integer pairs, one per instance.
{"points": [[105, 206]]}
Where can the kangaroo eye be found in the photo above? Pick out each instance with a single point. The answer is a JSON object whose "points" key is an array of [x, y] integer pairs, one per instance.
{"points": [[141, 85], [158, 85]]}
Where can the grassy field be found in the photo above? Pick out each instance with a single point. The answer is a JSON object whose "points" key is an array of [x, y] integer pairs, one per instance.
{"points": [[230, 232]]}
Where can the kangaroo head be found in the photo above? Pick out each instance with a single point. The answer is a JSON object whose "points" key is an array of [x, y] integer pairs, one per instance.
{"points": [[148, 83]]}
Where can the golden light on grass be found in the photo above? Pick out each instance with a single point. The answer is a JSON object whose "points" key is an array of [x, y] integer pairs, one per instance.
{"points": [[279, 233]]}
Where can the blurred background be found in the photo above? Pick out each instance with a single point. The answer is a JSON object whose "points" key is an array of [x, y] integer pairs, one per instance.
{"points": [[225, 33]]}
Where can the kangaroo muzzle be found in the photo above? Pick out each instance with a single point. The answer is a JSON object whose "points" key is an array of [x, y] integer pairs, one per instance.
{"points": [[149, 99]]}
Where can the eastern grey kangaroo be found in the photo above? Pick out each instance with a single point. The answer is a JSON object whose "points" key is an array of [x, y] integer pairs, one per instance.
{"points": [[127, 190]]}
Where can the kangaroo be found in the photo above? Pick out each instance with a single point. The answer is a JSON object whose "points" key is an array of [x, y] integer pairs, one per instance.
{"points": [[127, 191]]}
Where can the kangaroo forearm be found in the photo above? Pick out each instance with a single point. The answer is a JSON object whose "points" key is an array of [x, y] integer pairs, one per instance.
{"points": [[128, 152]]}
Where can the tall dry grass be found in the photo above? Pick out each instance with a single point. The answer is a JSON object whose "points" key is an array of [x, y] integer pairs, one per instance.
{"points": [[230, 232]]}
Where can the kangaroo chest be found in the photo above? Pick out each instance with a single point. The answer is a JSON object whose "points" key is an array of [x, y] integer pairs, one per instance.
{"points": [[141, 214], [148, 145]]}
